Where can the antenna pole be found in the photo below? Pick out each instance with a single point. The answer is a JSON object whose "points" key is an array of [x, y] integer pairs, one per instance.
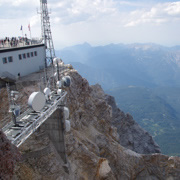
{"points": [[46, 31], [11, 104], [47, 36]]}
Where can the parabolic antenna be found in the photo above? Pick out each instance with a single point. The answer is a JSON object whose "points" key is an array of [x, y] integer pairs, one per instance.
{"points": [[56, 60], [68, 125], [66, 81], [66, 113], [47, 91], [37, 101]]}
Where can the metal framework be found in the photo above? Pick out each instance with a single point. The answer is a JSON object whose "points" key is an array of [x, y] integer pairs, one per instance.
{"points": [[46, 32], [18, 130], [29, 121], [12, 105]]}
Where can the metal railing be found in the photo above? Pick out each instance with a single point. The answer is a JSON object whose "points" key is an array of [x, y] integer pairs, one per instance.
{"points": [[16, 42]]}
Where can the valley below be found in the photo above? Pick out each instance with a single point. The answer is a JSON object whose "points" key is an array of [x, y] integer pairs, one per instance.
{"points": [[156, 110], [143, 78]]}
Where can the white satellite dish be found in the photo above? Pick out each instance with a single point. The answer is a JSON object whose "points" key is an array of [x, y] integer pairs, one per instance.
{"points": [[37, 101], [67, 125], [47, 91], [66, 113], [56, 60]]}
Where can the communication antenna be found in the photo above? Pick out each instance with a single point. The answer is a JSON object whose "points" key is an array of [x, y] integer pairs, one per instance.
{"points": [[47, 93], [37, 101], [56, 62], [13, 107], [46, 32]]}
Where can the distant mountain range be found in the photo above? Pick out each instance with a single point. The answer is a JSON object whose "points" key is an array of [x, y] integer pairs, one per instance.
{"points": [[146, 65], [143, 78]]}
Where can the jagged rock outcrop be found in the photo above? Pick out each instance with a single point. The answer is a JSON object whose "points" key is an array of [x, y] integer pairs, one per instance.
{"points": [[131, 135], [94, 144]]}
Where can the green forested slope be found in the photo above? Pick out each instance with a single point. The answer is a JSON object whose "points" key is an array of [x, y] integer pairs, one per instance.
{"points": [[156, 110]]}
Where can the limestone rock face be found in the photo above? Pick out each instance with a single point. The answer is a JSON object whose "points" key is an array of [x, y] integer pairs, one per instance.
{"points": [[104, 169], [131, 135], [102, 144], [9, 155]]}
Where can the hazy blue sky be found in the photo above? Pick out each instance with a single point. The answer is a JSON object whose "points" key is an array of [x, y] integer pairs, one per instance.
{"points": [[98, 22]]}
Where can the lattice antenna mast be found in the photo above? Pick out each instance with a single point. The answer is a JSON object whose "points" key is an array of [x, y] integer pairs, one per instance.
{"points": [[46, 32]]}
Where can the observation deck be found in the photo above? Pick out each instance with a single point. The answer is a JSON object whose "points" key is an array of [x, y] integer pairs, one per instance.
{"points": [[18, 42]]}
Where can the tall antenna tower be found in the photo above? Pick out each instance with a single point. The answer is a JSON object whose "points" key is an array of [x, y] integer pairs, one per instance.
{"points": [[46, 32]]}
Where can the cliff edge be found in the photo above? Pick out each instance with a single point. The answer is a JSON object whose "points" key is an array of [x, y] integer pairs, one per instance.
{"points": [[104, 143]]}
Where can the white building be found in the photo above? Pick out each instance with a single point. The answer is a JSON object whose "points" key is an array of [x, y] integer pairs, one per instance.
{"points": [[21, 61]]}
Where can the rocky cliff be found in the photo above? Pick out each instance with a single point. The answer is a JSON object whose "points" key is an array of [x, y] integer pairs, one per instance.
{"points": [[90, 105], [9, 155], [104, 143]]}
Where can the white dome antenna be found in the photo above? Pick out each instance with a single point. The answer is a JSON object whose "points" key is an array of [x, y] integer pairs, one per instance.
{"points": [[66, 113], [37, 101], [56, 61], [67, 125], [66, 81], [47, 93]]}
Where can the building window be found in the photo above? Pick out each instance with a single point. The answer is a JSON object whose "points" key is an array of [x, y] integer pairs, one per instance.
{"points": [[24, 56], [20, 56], [10, 59], [4, 60], [28, 55], [32, 54], [35, 53]]}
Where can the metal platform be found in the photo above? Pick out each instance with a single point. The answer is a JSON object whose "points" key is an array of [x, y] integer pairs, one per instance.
{"points": [[29, 121]]}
